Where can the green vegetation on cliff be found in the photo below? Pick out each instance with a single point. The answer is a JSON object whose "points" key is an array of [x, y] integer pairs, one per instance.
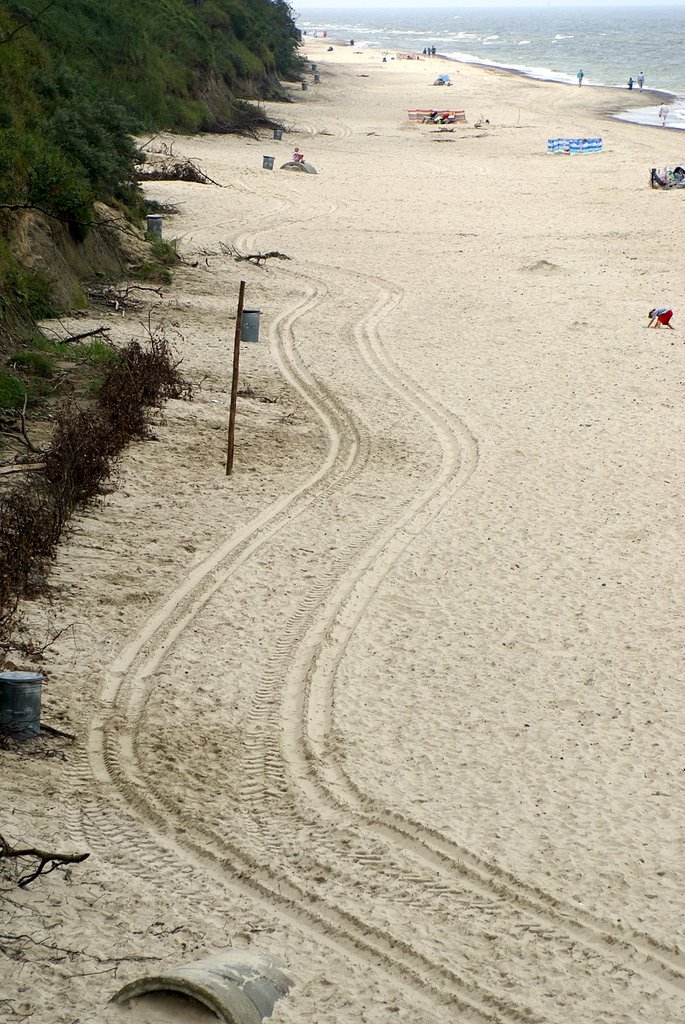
{"points": [[78, 77]]}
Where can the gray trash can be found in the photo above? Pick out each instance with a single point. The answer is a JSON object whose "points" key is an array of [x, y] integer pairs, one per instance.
{"points": [[249, 330], [317, 78], [153, 223], [313, 67], [278, 134], [304, 87], [20, 699], [268, 163]]}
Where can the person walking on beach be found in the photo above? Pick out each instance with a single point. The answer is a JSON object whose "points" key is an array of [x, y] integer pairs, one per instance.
{"points": [[580, 76], [641, 80], [631, 83], [660, 316], [663, 114]]}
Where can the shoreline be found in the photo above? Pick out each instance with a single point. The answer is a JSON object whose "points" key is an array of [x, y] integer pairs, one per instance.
{"points": [[621, 111]]}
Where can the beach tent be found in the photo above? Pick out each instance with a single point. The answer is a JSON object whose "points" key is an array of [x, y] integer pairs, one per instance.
{"points": [[443, 80], [574, 146], [298, 165]]}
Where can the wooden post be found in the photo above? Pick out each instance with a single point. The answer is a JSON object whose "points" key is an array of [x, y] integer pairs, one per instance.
{"points": [[234, 381]]}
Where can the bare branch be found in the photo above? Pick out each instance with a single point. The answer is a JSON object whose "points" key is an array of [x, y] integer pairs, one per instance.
{"points": [[257, 258], [22, 429], [84, 334], [47, 860]]}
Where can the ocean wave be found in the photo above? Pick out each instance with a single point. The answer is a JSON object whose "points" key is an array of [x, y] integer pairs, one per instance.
{"points": [[544, 74], [604, 42]]}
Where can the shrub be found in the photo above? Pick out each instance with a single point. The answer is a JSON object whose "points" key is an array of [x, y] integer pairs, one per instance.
{"points": [[94, 353], [34, 291], [84, 446], [12, 391], [34, 362]]}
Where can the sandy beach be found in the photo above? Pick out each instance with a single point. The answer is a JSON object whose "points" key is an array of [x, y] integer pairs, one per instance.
{"points": [[398, 702]]}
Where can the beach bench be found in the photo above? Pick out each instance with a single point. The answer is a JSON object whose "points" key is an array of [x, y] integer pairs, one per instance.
{"points": [[446, 116]]}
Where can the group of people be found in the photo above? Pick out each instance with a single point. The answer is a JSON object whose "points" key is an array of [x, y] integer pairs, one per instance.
{"points": [[640, 81], [429, 51], [580, 75]]}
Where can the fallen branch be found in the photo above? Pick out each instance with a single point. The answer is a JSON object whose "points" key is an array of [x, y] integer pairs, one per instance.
{"points": [[257, 258], [27, 468], [44, 727], [84, 334], [47, 860], [119, 298], [176, 170]]}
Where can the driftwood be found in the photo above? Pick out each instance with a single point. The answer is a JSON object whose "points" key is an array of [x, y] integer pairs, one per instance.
{"points": [[84, 334], [173, 169], [48, 860], [257, 258], [120, 298]]}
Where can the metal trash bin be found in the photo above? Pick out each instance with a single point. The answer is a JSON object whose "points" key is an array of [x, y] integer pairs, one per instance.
{"points": [[249, 329], [317, 78], [278, 134], [268, 163], [20, 700], [153, 224], [304, 87], [314, 67]]}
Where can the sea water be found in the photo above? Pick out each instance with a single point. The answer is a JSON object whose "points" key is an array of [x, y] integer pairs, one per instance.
{"points": [[610, 44]]}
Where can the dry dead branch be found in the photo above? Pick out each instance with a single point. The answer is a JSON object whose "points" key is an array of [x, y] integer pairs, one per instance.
{"points": [[257, 258], [175, 169], [47, 860], [84, 334], [120, 298], [29, 467]]}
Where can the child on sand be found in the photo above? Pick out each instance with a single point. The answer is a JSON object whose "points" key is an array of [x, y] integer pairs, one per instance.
{"points": [[298, 157], [660, 316]]}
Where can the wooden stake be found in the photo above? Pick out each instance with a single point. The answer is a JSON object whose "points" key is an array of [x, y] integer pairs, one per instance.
{"points": [[234, 381]]}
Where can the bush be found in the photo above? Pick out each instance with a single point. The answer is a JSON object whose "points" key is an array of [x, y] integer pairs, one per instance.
{"points": [[34, 291], [12, 391], [34, 362], [84, 446], [55, 186], [94, 353]]}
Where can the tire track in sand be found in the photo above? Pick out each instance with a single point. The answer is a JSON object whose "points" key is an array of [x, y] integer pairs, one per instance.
{"points": [[114, 760], [310, 699]]}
